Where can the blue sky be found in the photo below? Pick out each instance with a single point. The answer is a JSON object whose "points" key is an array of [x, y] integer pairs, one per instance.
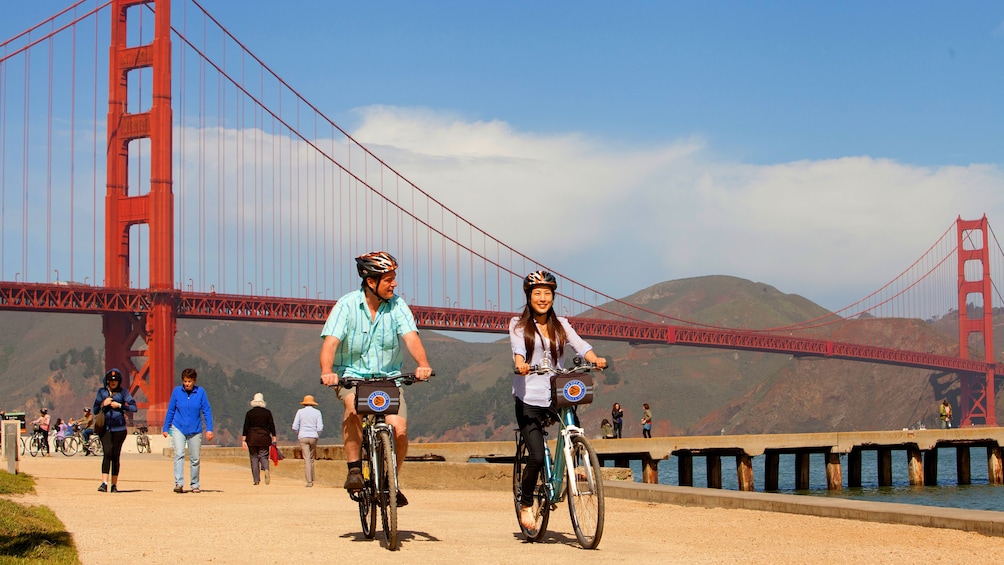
{"points": [[696, 138]]}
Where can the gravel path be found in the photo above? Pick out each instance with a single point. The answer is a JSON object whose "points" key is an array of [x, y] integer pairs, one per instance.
{"points": [[232, 521]]}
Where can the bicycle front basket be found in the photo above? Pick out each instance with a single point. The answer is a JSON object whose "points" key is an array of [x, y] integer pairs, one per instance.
{"points": [[572, 390], [381, 398]]}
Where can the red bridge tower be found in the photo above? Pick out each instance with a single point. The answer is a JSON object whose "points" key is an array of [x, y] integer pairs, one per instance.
{"points": [[977, 391], [129, 338]]}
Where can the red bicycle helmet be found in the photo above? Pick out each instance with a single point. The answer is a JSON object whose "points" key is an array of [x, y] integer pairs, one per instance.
{"points": [[539, 278], [375, 264]]}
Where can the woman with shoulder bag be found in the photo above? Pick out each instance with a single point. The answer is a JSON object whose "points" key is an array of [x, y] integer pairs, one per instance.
{"points": [[113, 402]]}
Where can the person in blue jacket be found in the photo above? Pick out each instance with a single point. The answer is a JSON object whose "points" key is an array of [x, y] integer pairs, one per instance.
{"points": [[186, 410], [113, 401]]}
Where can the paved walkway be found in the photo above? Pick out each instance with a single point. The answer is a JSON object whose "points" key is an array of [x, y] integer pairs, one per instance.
{"points": [[232, 521]]}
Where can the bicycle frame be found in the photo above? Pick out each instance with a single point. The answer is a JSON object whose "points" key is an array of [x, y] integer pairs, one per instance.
{"points": [[372, 425], [555, 470]]}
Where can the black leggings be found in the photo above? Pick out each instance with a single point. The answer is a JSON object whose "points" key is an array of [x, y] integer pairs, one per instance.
{"points": [[111, 443], [529, 419]]}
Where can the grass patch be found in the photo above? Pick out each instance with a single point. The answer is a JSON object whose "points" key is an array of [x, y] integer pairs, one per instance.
{"points": [[31, 534], [16, 484]]}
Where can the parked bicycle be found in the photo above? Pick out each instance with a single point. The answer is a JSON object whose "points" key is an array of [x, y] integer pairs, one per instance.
{"points": [[576, 461], [375, 398], [142, 440]]}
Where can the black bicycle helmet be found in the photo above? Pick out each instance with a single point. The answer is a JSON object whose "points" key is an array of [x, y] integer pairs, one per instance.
{"points": [[375, 264], [87, 409], [539, 278], [113, 375], [44, 411]]}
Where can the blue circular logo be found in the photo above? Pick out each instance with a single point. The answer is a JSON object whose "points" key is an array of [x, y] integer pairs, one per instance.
{"points": [[574, 391], [378, 401]]}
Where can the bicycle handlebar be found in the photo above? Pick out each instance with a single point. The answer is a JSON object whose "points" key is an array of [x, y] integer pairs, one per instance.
{"points": [[406, 379], [579, 366]]}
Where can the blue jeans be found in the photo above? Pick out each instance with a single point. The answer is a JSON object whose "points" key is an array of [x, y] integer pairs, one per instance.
{"points": [[194, 443]]}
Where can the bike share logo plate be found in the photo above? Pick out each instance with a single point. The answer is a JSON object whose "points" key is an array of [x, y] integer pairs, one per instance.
{"points": [[574, 391], [377, 399], [570, 391]]}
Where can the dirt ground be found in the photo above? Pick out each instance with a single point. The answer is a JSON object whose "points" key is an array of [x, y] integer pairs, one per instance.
{"points": [[232, 521]]}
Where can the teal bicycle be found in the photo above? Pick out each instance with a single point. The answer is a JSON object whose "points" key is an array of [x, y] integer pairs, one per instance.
{"points": [[575, 473]]}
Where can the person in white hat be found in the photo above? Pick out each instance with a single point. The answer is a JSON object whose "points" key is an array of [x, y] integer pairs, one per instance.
{"points": [[258, 436], [308, 425]]}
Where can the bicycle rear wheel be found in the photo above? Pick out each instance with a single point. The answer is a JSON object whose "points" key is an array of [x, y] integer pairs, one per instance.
{"points": [[70, 446], [388, 488], [541, 504], [585, 504]]}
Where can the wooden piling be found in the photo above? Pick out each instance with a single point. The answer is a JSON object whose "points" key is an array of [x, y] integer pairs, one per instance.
{"points": [[771, 468], [801, 470], [744, 472], [931, 467], [915, 466], [883, 459], [962, 465], [685, 466], [834, 476], [995, 472], [649, 470], [714, 467], [854, 468]]}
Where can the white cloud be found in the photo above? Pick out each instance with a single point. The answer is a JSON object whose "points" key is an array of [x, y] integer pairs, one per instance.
{"points": [[833, 230]]}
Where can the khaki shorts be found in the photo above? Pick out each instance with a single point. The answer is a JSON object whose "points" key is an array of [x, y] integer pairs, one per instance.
{"points": [[402, 411]]}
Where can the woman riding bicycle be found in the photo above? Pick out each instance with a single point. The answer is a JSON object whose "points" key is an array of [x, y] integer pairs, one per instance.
{"points": [[538, 337], [43, 423]]}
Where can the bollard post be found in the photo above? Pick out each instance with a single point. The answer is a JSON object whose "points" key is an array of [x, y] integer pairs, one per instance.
{"points": [[11, 453]]}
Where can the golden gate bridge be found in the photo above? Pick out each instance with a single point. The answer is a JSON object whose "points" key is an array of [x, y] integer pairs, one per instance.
{"points": [[176, 175]]}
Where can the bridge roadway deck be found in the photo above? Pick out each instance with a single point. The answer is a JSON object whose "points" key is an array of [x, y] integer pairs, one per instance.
{"points": [[458, 518]]}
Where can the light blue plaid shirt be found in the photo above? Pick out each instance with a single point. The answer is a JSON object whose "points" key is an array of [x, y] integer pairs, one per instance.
{"points": [[368, 347]]}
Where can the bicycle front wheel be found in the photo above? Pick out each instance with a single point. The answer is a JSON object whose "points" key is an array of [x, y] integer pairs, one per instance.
{"points": [[365, 499], [70, 446], [388, 488], [541, 503], [35, 445], [585, 493]]}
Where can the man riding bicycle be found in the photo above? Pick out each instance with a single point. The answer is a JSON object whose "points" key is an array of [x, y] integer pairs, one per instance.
{"points": [[362, 338], [86, 425]]}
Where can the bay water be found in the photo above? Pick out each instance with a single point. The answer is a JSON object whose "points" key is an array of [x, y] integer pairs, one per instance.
{"points": [[979, 495]]}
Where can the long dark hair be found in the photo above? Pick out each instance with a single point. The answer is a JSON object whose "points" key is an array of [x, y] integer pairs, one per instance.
{"points": [[554, 329]]}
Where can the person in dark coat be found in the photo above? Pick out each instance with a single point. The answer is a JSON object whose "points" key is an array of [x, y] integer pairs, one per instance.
{"points": [[258, 435], [114, 401]]}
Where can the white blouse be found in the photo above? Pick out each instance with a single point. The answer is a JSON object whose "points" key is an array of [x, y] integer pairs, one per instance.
{"points": [[533, 389]]}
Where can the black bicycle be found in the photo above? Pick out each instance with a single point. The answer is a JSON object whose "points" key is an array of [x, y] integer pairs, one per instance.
{"points": [[576, 462], [39, 441], [376, 397]]}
